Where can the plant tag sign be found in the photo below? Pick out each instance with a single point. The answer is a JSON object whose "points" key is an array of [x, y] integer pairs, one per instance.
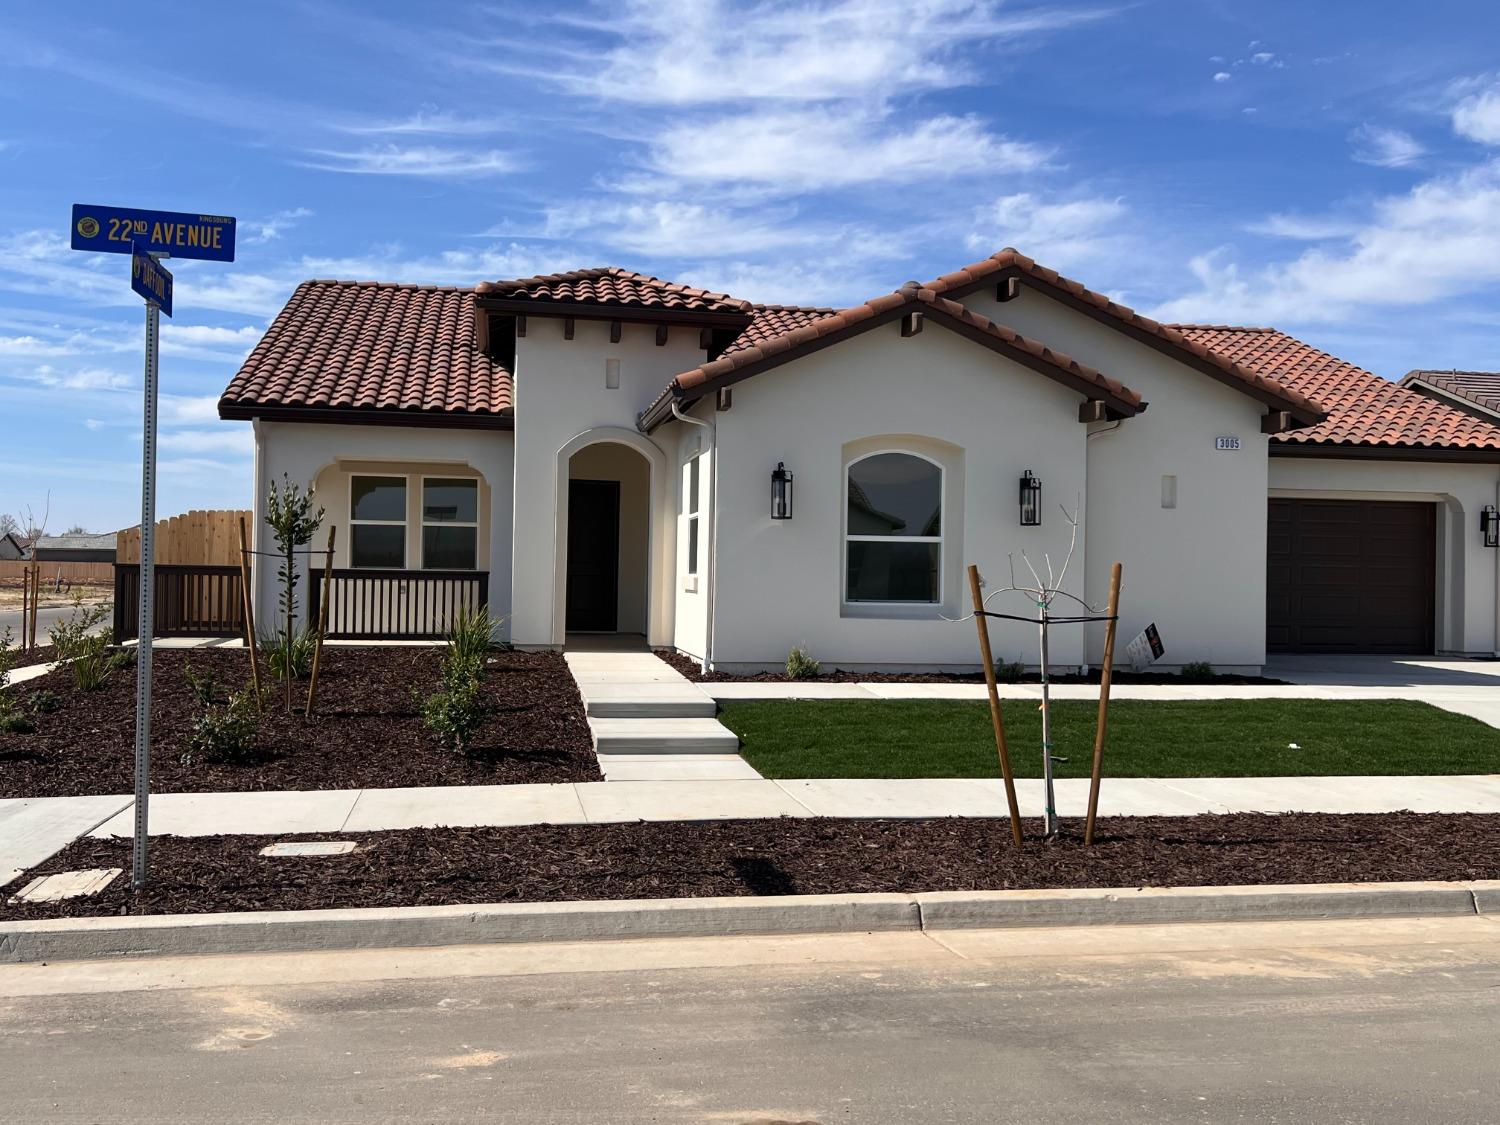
{"points": [[1222, 443], [1146, 649]]}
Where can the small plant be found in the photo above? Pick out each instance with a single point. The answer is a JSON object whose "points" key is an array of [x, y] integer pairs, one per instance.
{"points": [[456, 711], [469, 636], [71, 634], [94, 663], [226, 727], [12, 719], [43, 702], [800, 665], [296, 655], [1010, 671], [1197, 670]]}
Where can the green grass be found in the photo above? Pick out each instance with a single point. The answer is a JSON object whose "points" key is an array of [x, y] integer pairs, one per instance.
{"points": [[1209, 738]]}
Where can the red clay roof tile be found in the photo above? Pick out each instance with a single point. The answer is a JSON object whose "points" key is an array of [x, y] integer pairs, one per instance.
{"points": [[610, 285]]}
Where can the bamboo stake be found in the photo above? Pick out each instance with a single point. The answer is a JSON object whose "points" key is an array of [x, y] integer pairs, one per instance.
{"points": [[1106, 675], [996, 717], [25, 607], [249, 615], [312, 688], [36, 596]]}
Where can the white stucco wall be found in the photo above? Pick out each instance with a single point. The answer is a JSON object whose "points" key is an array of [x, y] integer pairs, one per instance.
{"points": [[326, 454], [562, 405], [985, 418], [1467, 571], [1197, 570]]}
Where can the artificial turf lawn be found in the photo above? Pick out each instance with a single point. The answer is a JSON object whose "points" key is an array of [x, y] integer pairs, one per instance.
{"points": [[1198, 738]]}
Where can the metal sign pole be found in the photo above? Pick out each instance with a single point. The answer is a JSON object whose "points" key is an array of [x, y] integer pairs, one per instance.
{"points": [[144, 632]]}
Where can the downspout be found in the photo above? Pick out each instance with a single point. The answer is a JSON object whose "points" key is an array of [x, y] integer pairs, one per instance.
{"points": [[711, 519]]}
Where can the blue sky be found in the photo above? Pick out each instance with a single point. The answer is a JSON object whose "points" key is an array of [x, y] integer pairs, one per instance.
{"points": [[1330, 168]]}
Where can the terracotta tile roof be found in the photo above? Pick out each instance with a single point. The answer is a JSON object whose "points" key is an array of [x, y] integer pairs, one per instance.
{"points": [[359, 345], [816, 332], [610, 285], [1482, 388], [773, 320], [1011, 262], [1363, 409]]}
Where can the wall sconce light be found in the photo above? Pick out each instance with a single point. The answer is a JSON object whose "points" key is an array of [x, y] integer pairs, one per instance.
{"points": [[1031, 500], [1489, 523], [781, 492]]}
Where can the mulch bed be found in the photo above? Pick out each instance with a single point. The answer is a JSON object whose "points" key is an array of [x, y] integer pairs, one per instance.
{"points": [[693, 670], [365, 731], [41, 654], [777, 857]]}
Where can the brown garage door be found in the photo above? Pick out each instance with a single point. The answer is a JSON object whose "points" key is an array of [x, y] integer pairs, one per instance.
{"points": [[1350, 576]]}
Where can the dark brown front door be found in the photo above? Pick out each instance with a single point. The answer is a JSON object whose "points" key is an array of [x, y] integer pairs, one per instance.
{"points": [[593, 556], [1350, 576]]}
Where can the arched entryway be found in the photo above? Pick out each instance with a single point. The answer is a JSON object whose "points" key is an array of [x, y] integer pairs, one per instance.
{"points": [[607, 547]]}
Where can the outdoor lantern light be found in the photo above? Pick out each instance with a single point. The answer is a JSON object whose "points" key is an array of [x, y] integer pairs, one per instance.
{"points": [[1031, 500], [781, 492], [1489, 523]]}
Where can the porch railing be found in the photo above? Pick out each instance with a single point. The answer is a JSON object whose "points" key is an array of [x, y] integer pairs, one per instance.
{"points": [[190, 601], [397, 604]]}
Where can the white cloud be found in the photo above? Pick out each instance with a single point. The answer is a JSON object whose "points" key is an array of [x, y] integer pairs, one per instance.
{"points": [[824, 282], [226, 439], [428, 122], [1477, 116], [265, 230], [1385, 148], [1223, 76], [1262, 58], [714, 51], [445, 267], [33, 346], [1058, 234], [178, 409], [81, 379], [94, 423], [1302, 228], [419, 160], [1437, 241], [818, 148], [210, 336]]}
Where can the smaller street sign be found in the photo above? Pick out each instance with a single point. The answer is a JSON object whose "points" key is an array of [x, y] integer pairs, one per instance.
{"points": [[116, 230], [150, 279]]}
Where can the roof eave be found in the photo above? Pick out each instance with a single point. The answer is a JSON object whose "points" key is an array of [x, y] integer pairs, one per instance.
{"points": [[1371, 452], [583, 310], [365, 416]]}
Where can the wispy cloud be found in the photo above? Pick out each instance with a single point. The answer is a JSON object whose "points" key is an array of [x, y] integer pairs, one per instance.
{"points": [[1477, 116], [420, 160], [1384, 147], [1065, 233], [428, 122], [273, 226]]}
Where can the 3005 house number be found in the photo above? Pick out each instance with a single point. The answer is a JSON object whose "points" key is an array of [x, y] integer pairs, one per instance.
{"points": [[1226, 443]]}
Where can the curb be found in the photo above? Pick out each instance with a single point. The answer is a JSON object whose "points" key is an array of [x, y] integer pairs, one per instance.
{"points": [[290, 931]]}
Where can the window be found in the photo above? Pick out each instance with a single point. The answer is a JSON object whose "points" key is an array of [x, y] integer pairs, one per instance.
{"points": [[690, 483], [377, 522], [450, 524], [893, 529]]}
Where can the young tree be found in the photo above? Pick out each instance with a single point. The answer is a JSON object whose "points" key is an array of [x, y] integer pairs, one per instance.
{"points": [[290, 516]]}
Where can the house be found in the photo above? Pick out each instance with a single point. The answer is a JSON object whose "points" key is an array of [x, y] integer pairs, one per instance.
{"points": [[87, 547], [601, 451], [13, 546]]}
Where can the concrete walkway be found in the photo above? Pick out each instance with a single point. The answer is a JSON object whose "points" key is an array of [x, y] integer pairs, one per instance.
{"points": [[650, 723]]}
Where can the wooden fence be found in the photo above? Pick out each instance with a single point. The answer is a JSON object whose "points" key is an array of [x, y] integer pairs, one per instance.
{"points": [[198, 538], [55, 574], [190, 601]]}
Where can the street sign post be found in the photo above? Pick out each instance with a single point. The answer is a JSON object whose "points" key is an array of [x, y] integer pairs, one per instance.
{"points": [[148, 236], [150, 279], [118, 230]]}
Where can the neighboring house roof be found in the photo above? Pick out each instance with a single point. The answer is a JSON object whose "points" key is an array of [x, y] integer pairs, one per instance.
{"points": [[397, 353], [1011, 263], [1480, 389], [818, 333], [1364, 410], [102, 541], [608, 287], [770, 321]]}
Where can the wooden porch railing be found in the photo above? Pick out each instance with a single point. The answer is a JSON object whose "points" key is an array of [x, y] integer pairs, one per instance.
{"points": [[397, 604], [191, 601]]}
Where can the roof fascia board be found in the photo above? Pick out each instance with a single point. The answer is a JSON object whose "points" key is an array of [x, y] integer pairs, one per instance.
{"points": [[354, 416], [588, 311], [1336, 451]]}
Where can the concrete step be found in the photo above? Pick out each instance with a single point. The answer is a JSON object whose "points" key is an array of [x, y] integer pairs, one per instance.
{"points": [[646, 701], [662, 736]]}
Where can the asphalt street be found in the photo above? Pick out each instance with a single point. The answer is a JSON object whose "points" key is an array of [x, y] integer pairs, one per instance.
{"points": [[1329, 1022]]}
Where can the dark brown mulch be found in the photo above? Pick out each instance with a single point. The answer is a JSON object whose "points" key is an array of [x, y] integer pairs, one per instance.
{"points": [[365, 731], [693, 670], [41, 654], [776, 857]]}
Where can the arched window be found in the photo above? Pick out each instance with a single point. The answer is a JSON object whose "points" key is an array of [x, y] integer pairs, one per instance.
{"points": [[893, 529]]}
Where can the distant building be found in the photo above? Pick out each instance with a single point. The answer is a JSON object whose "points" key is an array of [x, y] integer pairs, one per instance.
{"points": [[75, 548], [13, 546]]}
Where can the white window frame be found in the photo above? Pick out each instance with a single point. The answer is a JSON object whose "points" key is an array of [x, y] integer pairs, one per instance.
{"points": [[690, 517], [423, 524], [940, 540], [401, 523]]}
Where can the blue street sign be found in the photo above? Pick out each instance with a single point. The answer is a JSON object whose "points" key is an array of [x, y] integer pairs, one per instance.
{"points": [[150, 279], [115, 230]]}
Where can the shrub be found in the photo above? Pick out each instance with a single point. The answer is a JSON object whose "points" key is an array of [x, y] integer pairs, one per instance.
{"points": [[469, 636], [800, 665], [296, 655], [12, 718], [1010, 671], [94, 663], [226, 727], [44, 702], [72, 635], [456, 711], [1197, 670]]}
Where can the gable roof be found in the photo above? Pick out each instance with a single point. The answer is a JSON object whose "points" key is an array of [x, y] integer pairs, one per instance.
{"points": [[1011, 263], [608, 288], [822, 331], [1477, 388], [1364, 410], [396, 353]]}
